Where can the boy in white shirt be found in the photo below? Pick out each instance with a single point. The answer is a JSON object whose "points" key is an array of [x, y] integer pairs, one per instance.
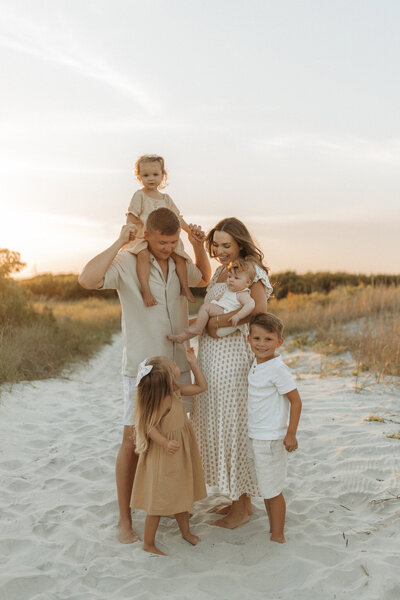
{"points": [[273, 400]]}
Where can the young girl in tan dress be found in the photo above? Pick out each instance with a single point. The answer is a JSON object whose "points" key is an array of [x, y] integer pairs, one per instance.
{"points": [[151, 173], [169, 476]]}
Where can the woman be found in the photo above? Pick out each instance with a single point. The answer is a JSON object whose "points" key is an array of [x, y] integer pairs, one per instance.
{"points": [[220, 414]]}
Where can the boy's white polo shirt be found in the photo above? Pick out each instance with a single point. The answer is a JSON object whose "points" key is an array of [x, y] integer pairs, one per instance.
{"points": [[268, 408]]}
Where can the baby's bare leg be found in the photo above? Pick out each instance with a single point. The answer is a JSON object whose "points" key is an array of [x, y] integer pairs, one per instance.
{"points": [[183, 521], [143, 273], [181, 271], [207, 310], [276, 509], [149, 538]]}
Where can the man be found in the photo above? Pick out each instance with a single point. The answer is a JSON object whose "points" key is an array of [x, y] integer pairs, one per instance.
{"points": [[145, 328]]}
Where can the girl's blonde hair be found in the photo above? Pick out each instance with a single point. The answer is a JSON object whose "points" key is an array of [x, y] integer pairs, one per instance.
{"points": [[243, 265], [153, 388], [242, 236], [152, 158]]}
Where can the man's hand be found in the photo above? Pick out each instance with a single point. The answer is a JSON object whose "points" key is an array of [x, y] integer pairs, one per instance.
{"points": [[172, 446], [290, 442], [128, 233]]}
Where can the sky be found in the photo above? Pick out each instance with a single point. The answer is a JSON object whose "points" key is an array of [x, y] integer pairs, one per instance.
{"points": [[281, 113]]}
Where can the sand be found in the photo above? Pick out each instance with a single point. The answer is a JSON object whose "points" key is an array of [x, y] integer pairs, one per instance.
{"points": [[59, 439]]}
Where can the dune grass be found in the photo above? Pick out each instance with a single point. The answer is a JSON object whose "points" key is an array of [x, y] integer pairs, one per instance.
{"points": [[362, 320], [58, 335]]}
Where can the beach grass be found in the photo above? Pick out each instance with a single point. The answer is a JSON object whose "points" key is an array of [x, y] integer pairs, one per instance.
{"points": [[363, 320], [56, 336]]}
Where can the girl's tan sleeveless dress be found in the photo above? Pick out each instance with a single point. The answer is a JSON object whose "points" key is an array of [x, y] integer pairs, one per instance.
{"points": [[167, 484]]}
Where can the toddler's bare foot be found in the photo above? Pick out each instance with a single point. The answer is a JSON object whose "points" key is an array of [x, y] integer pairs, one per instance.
{"points": [[186, 292], [191, 538], [278, 538], [153, 549], [148, 298], [230, 522], [126, 533]]}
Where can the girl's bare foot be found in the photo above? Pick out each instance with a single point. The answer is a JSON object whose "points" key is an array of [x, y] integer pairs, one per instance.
{"points": [[126, 533], [280, 539], [148, 298], [191, 538], [231, 522], [153, 549]]}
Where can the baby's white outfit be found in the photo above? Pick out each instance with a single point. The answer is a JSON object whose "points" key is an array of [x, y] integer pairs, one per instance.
{"points": [[229, 300], [141, 206], [268, 412]]}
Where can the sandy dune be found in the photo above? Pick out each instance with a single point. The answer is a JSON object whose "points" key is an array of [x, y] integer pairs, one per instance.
{"points": [[58, 540]]}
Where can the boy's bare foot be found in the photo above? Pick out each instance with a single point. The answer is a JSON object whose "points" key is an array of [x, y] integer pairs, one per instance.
{"points": [[153, 550], [126, 533], [191, 538], [280, 539], [186, 292], [230, 522], [148, 298]]}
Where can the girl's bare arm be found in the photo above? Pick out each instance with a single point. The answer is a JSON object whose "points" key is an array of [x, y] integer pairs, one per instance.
{"points": [[200, 385]]}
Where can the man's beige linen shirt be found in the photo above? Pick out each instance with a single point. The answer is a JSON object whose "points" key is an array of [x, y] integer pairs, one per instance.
{"points": [[145, 328]]}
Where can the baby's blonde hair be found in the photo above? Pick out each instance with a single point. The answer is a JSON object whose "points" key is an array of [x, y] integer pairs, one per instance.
{"points": [[153, 388], [243, 265], [152, 158]]}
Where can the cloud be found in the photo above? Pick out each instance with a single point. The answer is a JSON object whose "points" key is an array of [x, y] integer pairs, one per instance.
{"points": [[387, 151], [39, 39]]}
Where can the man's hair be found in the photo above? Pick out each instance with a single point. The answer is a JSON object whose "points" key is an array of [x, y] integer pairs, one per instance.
{"points": [[269, 322], [163, 220]]}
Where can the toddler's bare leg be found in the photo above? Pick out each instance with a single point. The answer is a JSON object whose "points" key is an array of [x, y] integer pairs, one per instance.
{"points": [[149, 538], [206, 311], [143, 273], [181, 271], [183, 521], [276, 514]]}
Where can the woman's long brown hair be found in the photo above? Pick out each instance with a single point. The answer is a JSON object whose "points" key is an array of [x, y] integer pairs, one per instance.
{"points": [[242, 236]]}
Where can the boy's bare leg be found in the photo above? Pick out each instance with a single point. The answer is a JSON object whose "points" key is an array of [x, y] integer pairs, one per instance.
{"points": [[181, 271], [183, 521], [143, 273], [207, 310], [268, 507], [149, 538], [238, 514], [276, 509], [125, 469]]}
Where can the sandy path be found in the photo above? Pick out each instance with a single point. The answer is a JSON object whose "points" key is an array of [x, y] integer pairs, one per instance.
{"points": [[58, 541]]}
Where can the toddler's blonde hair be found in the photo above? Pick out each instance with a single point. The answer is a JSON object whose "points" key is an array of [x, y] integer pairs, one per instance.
{"points": [[152, 158], [153, 388], [243, 265]]}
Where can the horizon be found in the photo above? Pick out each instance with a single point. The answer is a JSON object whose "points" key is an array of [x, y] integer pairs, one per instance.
{"points": [[283, 115]]}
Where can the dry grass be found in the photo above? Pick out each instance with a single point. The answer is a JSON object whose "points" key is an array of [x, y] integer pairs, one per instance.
{"points": [[362, 320], [64, 333]]}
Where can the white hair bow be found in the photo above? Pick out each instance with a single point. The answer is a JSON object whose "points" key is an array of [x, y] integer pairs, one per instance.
{"points": [[142, 371]]}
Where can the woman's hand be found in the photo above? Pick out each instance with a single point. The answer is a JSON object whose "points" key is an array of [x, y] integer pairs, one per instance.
{"points": [[172, 446]]}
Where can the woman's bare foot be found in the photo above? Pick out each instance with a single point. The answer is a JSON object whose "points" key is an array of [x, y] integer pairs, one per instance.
{"points": [[148, 298], [126, 533], [232, 521], [280, 539], [186, 292], [220, 509], [153, 549], [191, 538]]}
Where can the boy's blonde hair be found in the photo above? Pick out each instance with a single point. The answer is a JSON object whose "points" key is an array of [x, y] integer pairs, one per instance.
{"points": [[153, 388], [243, 265], [152, 158], [269, 322]]}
